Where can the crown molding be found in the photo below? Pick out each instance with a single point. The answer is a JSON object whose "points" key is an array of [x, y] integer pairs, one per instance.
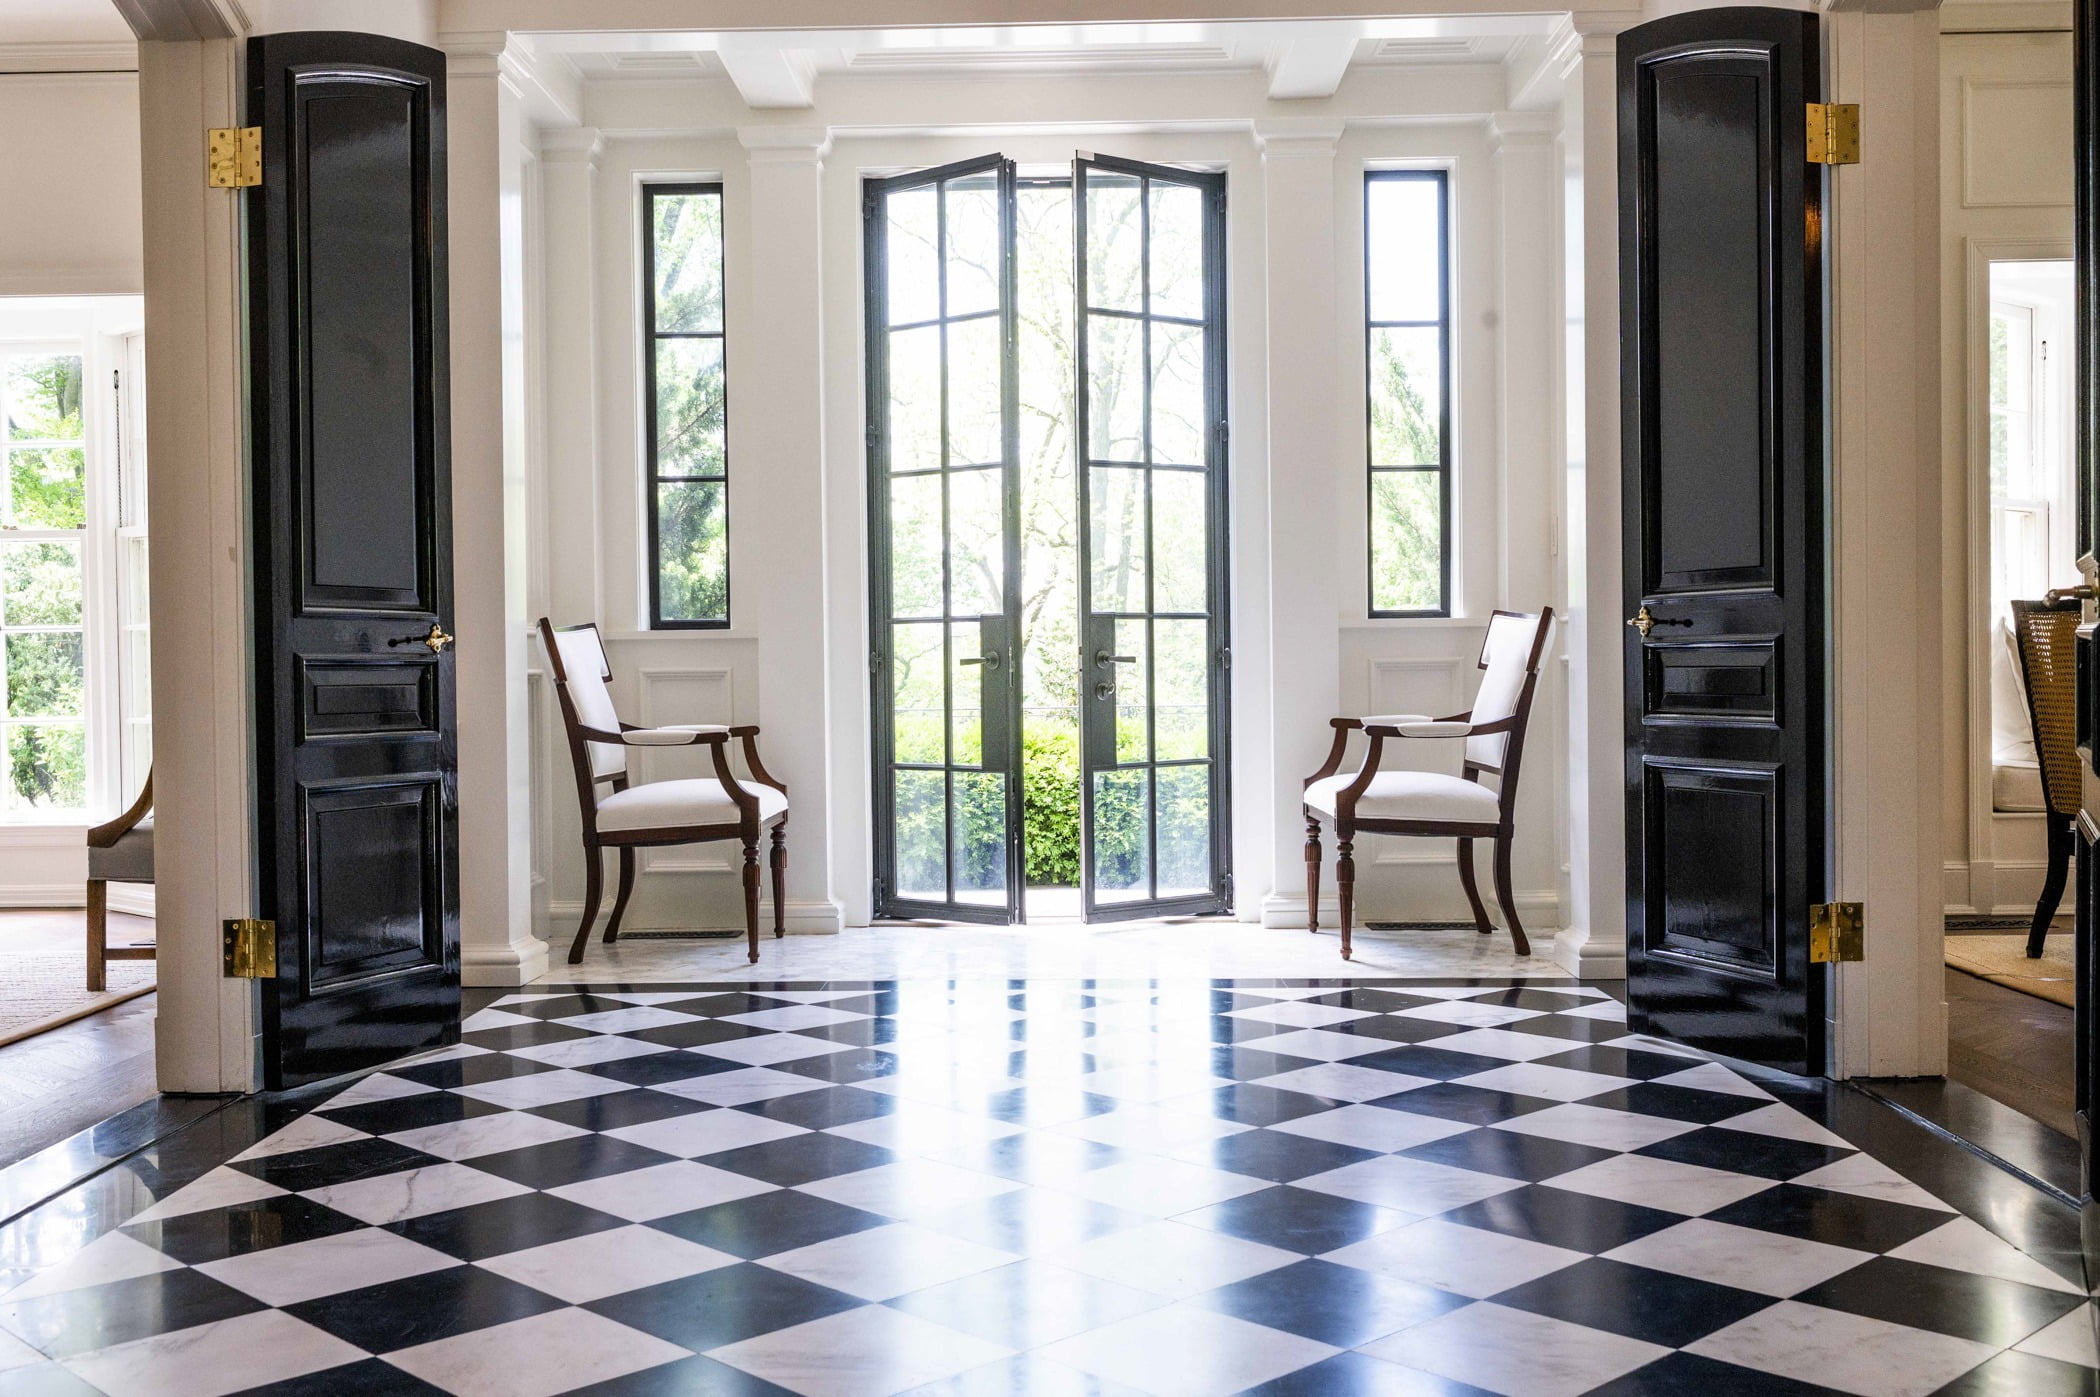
{"points": [[113, 56]]}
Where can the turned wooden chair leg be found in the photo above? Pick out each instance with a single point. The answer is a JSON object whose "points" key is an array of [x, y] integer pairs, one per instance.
{"points": [[612, 928], [2061, 844], [1507, 898], [1481, 923], [780, 879], [1345, 883], [751, 894], [1312, 875], [593, 889], [97, 936]]}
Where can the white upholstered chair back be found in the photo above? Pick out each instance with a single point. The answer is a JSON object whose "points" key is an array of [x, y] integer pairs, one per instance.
{"points": [[1506, 658], [585, 671]]}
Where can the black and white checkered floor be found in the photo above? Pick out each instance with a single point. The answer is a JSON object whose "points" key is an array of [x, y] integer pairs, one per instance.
{"points": [[1050, 1188]]}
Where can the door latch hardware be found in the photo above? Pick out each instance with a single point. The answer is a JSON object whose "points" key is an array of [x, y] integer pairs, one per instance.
{"points": [[1833, 133], [437, 640], [1105, 690], [233, 157], [1102, 659], [1645, 621], [1837, 932], [249, 947], [989, 659]]}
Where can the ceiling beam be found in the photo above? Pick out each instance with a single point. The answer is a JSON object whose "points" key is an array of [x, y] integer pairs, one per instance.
{"points": [[1309, 66], [767, 75]]}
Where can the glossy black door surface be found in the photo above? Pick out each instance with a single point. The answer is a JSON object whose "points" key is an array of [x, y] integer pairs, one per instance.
{"points": [[2086, 909], [1724, 572], [356, 771]]}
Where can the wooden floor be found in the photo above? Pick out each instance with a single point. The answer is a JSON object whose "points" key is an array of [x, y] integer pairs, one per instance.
{"points": [[2011, 1047], [78, 1075]]}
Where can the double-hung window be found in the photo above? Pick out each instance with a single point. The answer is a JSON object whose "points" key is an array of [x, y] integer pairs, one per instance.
{"points": [[1407, 352], [687, 416]]}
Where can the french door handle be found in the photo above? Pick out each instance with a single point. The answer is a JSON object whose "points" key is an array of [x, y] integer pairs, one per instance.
{"points": [[437, 640], [1102, 660], [1645, 621], [989, 659], [1105, 690]]}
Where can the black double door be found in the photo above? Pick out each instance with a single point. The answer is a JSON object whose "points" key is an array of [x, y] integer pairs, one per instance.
{"points": [[356, 761], [1047, 492], [1724, 488]]}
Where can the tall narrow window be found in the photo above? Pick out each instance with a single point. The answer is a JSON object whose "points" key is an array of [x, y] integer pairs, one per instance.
{"points": [[1407, 332], [688, 417], [43, 523]]}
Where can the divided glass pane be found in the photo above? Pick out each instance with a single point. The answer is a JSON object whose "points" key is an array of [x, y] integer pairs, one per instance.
{"points": [[1115, 370], [692, 548], [1116, 538], [1181, 684], [977, 542], [1403, 237], [1179, 425], [975, 395], [46, 673], [43, 397], [689, 403], [1406, 540], [965, 695], [1177, 251], [1180, 541], [1184, 830], [1122, 835], [914, 256], [980, 837], [1114, 242], [973, 244], [1133, 692], [915, 399], [688, 256], [47, 766], [915, 545], [922, 835], [41, 584], [1407, 397], [917, 712]]}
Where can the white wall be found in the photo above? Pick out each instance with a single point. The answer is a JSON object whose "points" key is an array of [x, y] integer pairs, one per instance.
{"points": [[69, 184], [2005, 194], [588, 545]]}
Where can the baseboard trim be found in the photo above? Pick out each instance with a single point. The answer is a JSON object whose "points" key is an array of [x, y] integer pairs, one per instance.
{"points": [[1587, 958], [514, 963], [805, 917], [54, 895]]}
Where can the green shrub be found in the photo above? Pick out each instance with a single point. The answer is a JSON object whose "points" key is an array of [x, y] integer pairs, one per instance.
{"points": [[1050, 802]]}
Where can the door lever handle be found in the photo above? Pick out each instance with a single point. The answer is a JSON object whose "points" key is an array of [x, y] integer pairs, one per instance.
{"points": [[1102, 659], [437, 640], [2057, 595], [1645, 621], [989, 659]]}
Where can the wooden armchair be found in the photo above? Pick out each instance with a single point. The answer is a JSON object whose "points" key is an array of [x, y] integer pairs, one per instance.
{"points": [[1430, 804], [118, 852], [626, 817], [2046, 633]]}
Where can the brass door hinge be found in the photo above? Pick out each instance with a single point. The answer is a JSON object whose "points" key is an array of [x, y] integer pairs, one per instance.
{"points": [[235, 157], [250, 947], [1837, 931], [1833, 133]]}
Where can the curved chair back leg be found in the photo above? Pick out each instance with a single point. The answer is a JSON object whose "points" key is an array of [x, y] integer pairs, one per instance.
{"points": [[612, 928], [1507, 898], [593, 889], [1466, 876], [2063, 843]]}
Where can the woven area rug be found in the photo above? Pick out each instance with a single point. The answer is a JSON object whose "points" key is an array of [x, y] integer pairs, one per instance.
{"points": [[2003, 961], [39, 992]]}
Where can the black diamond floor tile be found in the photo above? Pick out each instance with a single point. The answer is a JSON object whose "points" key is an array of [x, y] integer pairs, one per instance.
{"points": [[620, 1108], [1509, 1154], [1840, 1219], [78, 1321], [1277, 1156], [505, 1225], [1676, 1103], [1983, 1308], [769, 1223], [722, 1306], [569, 1161], [2024, 1375], [1741, 1152], [1296, 1219], [301, 1170], [369, 1377], [802, 1159], [1456, 1101], [1560, 1218], [1355, 1375], [1631, 1300], [213, 1234], [1689, 1375], [1337, 1305], [421, 1309], [698, 1376]]}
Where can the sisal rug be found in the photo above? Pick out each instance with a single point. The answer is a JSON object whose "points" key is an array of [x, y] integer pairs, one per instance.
{"points": [[2003, 961], [39, 992]]}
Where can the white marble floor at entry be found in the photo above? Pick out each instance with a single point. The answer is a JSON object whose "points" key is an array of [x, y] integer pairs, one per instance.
{"points": [[1058, 950]]}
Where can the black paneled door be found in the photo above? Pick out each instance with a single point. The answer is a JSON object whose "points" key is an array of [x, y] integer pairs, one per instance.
{"points": [[356, 762], [1724, 481], [2086, 912]]}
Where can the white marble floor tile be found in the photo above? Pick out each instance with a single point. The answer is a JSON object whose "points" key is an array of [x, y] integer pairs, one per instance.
{"points": [[794, 1016], [1547, 1083], [660, 1190], [1597, 1125], [309, 1132], [541, 1089], [629, 1020], [1172, 1259], [1504, 1043], [705, 1132], [740, 1087], [1786, 1123], [1153, 1128], [1712, 1076], [1691, 1189], [769, 1048], [1293, 1013], [1373, 1128], [869, 1352], [1028, 1303], [536, 1357], [413, 1193], [597, 1264], [1868, 1177], [1516, 1352], [588, 1052], [1408, 1185], [923, 1128], [884, 1262], [1319, 1044], [479, 1135], [1187, 1351], [1160, 1187], [1338, 1081], [493, 1018], [380, 1086], [111, 1257], [1463, 1260], [1765, 1262], [326, 1266], [221, 1188], [2068, 1340], [1465, 1011], [910, 1188], [209, 1360], [1852, 1353], [1965, 1245]]}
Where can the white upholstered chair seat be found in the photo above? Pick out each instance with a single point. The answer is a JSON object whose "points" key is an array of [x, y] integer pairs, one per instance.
{"points": [[670, 804], [1411, 795]]}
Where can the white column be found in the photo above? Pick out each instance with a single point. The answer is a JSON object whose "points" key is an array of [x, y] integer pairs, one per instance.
{"points": [[1593, 944], [568, 215], [485, 155], [1884, 413], [205, 1025], [777, 540], [1304, 659]]}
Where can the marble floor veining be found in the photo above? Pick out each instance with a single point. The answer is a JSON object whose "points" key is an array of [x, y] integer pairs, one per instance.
{"points": [[1182, 1188]]}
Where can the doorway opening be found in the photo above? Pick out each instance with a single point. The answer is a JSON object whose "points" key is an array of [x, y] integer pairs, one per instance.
{"points": [[1047, 458]]}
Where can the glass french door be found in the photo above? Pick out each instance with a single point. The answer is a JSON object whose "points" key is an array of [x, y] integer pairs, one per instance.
{"points": [[1150, 357], [945, 502]]}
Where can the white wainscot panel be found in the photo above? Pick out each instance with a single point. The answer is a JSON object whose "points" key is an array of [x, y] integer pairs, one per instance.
{"points": [[2013, 154]]}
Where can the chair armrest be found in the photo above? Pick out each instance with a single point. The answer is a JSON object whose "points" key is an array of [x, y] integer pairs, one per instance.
{"points": [[1426, 728], [681, 735], [1396, 720], [104, 835]]}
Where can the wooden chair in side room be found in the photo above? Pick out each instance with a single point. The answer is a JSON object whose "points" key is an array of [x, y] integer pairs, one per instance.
{"points": [[1429, 804], [2046, 632], [118, 852], [621, 815]]}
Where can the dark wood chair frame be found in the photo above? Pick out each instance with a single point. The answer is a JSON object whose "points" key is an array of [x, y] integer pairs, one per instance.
{"points": [[2052, 718], [748, 827], [99, 951], [1502, 830]]}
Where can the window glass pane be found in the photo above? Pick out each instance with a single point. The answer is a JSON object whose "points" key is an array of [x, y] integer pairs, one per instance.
{"points": [[1177, 251], [973, 244], [47, 767], [922, 835], [965, 694], [1122, 836], [1181, 680], [1180, 542], [43, 397], [975, 418], [1406, 397], [980, 837], [1178, 413], [915, 399], [1184, 830], [1116, 520], [48, 488], [689, 404], [913, 237], [688, 262], [1402, 237], [692, 548], [977, 542], [915, 545], [1115, 370], [916, 658], [1114, 242], [1406, 540], [1133, 691], [46, 671], [41, 583]]}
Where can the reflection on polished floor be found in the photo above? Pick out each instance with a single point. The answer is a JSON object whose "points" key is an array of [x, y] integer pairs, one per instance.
{"points": [[1046, 1187]]}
